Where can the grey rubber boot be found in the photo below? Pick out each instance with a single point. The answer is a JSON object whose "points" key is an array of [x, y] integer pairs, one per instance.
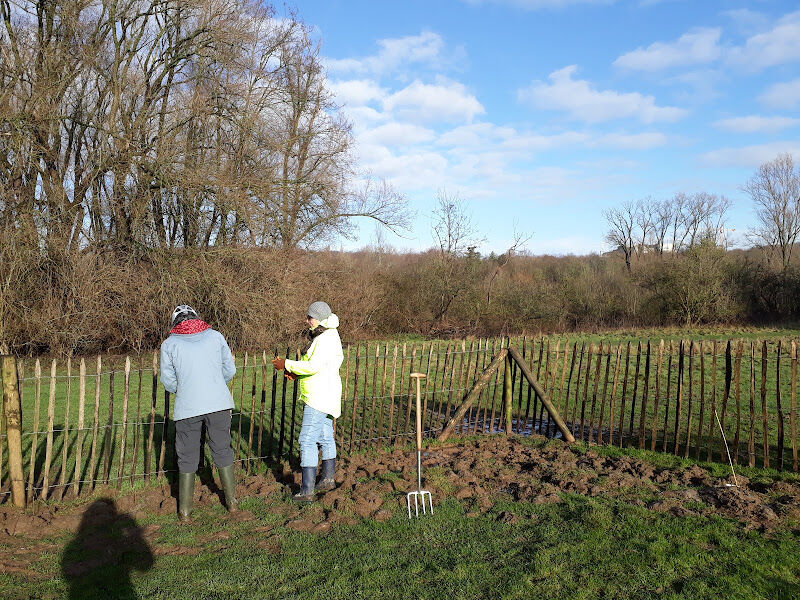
{"points": [[326, 481], [185, 495], [228, 481], [306, 493]]}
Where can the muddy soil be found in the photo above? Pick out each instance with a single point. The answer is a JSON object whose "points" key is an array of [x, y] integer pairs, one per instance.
{"points": [[477, 473]]}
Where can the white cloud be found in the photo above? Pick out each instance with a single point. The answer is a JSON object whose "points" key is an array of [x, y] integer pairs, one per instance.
{"points": [[779, 45], [445, 101], [749, 156], [397, 134], [364, 117], [356, 92], [756, 124], [632, 141], [410, 171], [579, 99], [537, 4], [474, 134], [393, 53], [782, 95], [747, 21], [697, 47]]}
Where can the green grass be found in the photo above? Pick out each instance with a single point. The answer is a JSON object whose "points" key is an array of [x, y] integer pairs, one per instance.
{"points": [[579, 548]]}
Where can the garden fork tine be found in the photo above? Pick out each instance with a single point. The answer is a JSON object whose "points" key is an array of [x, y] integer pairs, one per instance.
{"points": [[420, 494]]}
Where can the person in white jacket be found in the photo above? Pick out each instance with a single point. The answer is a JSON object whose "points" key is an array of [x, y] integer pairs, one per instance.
{"points": [[317, 372]]}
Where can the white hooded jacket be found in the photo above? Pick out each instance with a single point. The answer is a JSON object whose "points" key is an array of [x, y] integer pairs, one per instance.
{"points": [[318, 370]]}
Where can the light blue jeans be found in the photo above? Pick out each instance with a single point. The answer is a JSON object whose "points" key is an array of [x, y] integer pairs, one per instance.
{"points": [[315, 433]]}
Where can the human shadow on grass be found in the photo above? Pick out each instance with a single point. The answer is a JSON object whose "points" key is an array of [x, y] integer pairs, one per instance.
{"points": [[107, 546]]}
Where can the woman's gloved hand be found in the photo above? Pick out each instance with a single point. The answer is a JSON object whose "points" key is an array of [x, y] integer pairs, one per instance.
{"points": [[289, 376], [279, 363]]}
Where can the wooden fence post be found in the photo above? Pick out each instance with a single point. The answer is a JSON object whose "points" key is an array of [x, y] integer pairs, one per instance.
{"points": [[507, 395], [12, 415]]}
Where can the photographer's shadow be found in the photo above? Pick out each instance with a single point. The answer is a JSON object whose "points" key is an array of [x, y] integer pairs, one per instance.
{"points": [[97, 563]]}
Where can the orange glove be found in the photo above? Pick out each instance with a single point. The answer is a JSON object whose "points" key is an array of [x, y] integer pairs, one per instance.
{"points": [[289, 376], [279, 363]]}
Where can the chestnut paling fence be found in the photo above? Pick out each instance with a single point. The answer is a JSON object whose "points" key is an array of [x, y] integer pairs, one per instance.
{"points": [[71, 425]]}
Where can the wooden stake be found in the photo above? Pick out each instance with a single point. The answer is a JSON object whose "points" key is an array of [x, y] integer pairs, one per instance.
{"points": [[507, 391], [612, 400], [780, 406], [12, 416], [282, 434], [95, 424], [151, 432], [65, 434], [50, 419], [764, 428], [624, 394], [574, 420], [76, 479], [793, 408], [273, 406], [691, 400], [679, 399], [739, 350], [643, 408], [125, 396], [751, 442], [164, 433], [137, 428], [657, 399], [108, 437], [259, 448], [341, 429], [711, 429], [295, 390], [702, 399], [251, 429], [241, 408], [667, 397], [594, 391], [354, 413], [391, 394], [635, 391]]}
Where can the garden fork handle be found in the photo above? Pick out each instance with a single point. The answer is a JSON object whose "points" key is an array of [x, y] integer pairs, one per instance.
{"points": [[418, 377]]}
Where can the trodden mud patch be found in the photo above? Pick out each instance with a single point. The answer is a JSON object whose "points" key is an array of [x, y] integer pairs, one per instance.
{"points": [[476, 473]]}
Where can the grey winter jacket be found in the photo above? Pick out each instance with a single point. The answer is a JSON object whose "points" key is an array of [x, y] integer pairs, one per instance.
{"points": [[197, 366]]}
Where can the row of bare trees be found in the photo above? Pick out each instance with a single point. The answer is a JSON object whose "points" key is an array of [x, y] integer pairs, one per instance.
{"points": [[172, 123], [685, 221], [669, 225]]}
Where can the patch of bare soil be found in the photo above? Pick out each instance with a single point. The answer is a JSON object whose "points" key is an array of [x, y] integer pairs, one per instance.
{"points": [[477, 473]]}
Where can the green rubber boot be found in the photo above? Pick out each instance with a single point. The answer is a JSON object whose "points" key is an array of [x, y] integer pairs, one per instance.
{"points": [[228, 481], [185, 495]]}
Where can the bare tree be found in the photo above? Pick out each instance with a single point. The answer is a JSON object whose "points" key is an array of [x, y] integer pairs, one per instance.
{"points": [[621, 226], [775, 191], [517, 244], [643, 217], [457, 237], [661, 218]]}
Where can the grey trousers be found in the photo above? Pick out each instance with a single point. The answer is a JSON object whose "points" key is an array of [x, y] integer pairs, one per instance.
{"points": [[218, 436]]}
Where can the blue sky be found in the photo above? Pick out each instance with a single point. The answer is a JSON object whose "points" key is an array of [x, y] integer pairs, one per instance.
{"points": [[544, 112]]}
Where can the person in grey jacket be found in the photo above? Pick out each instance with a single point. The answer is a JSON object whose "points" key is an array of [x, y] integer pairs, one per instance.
{"points": [[196, 365]]}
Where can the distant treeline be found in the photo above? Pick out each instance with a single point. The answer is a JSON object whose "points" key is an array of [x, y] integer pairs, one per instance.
{"points": [[95, 301]]}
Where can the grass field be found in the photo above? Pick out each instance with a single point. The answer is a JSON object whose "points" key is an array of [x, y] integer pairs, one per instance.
{"points": [[581, 547]]}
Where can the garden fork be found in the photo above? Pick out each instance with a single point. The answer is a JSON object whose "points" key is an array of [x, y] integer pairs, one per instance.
{"points": [[419, 495]]}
